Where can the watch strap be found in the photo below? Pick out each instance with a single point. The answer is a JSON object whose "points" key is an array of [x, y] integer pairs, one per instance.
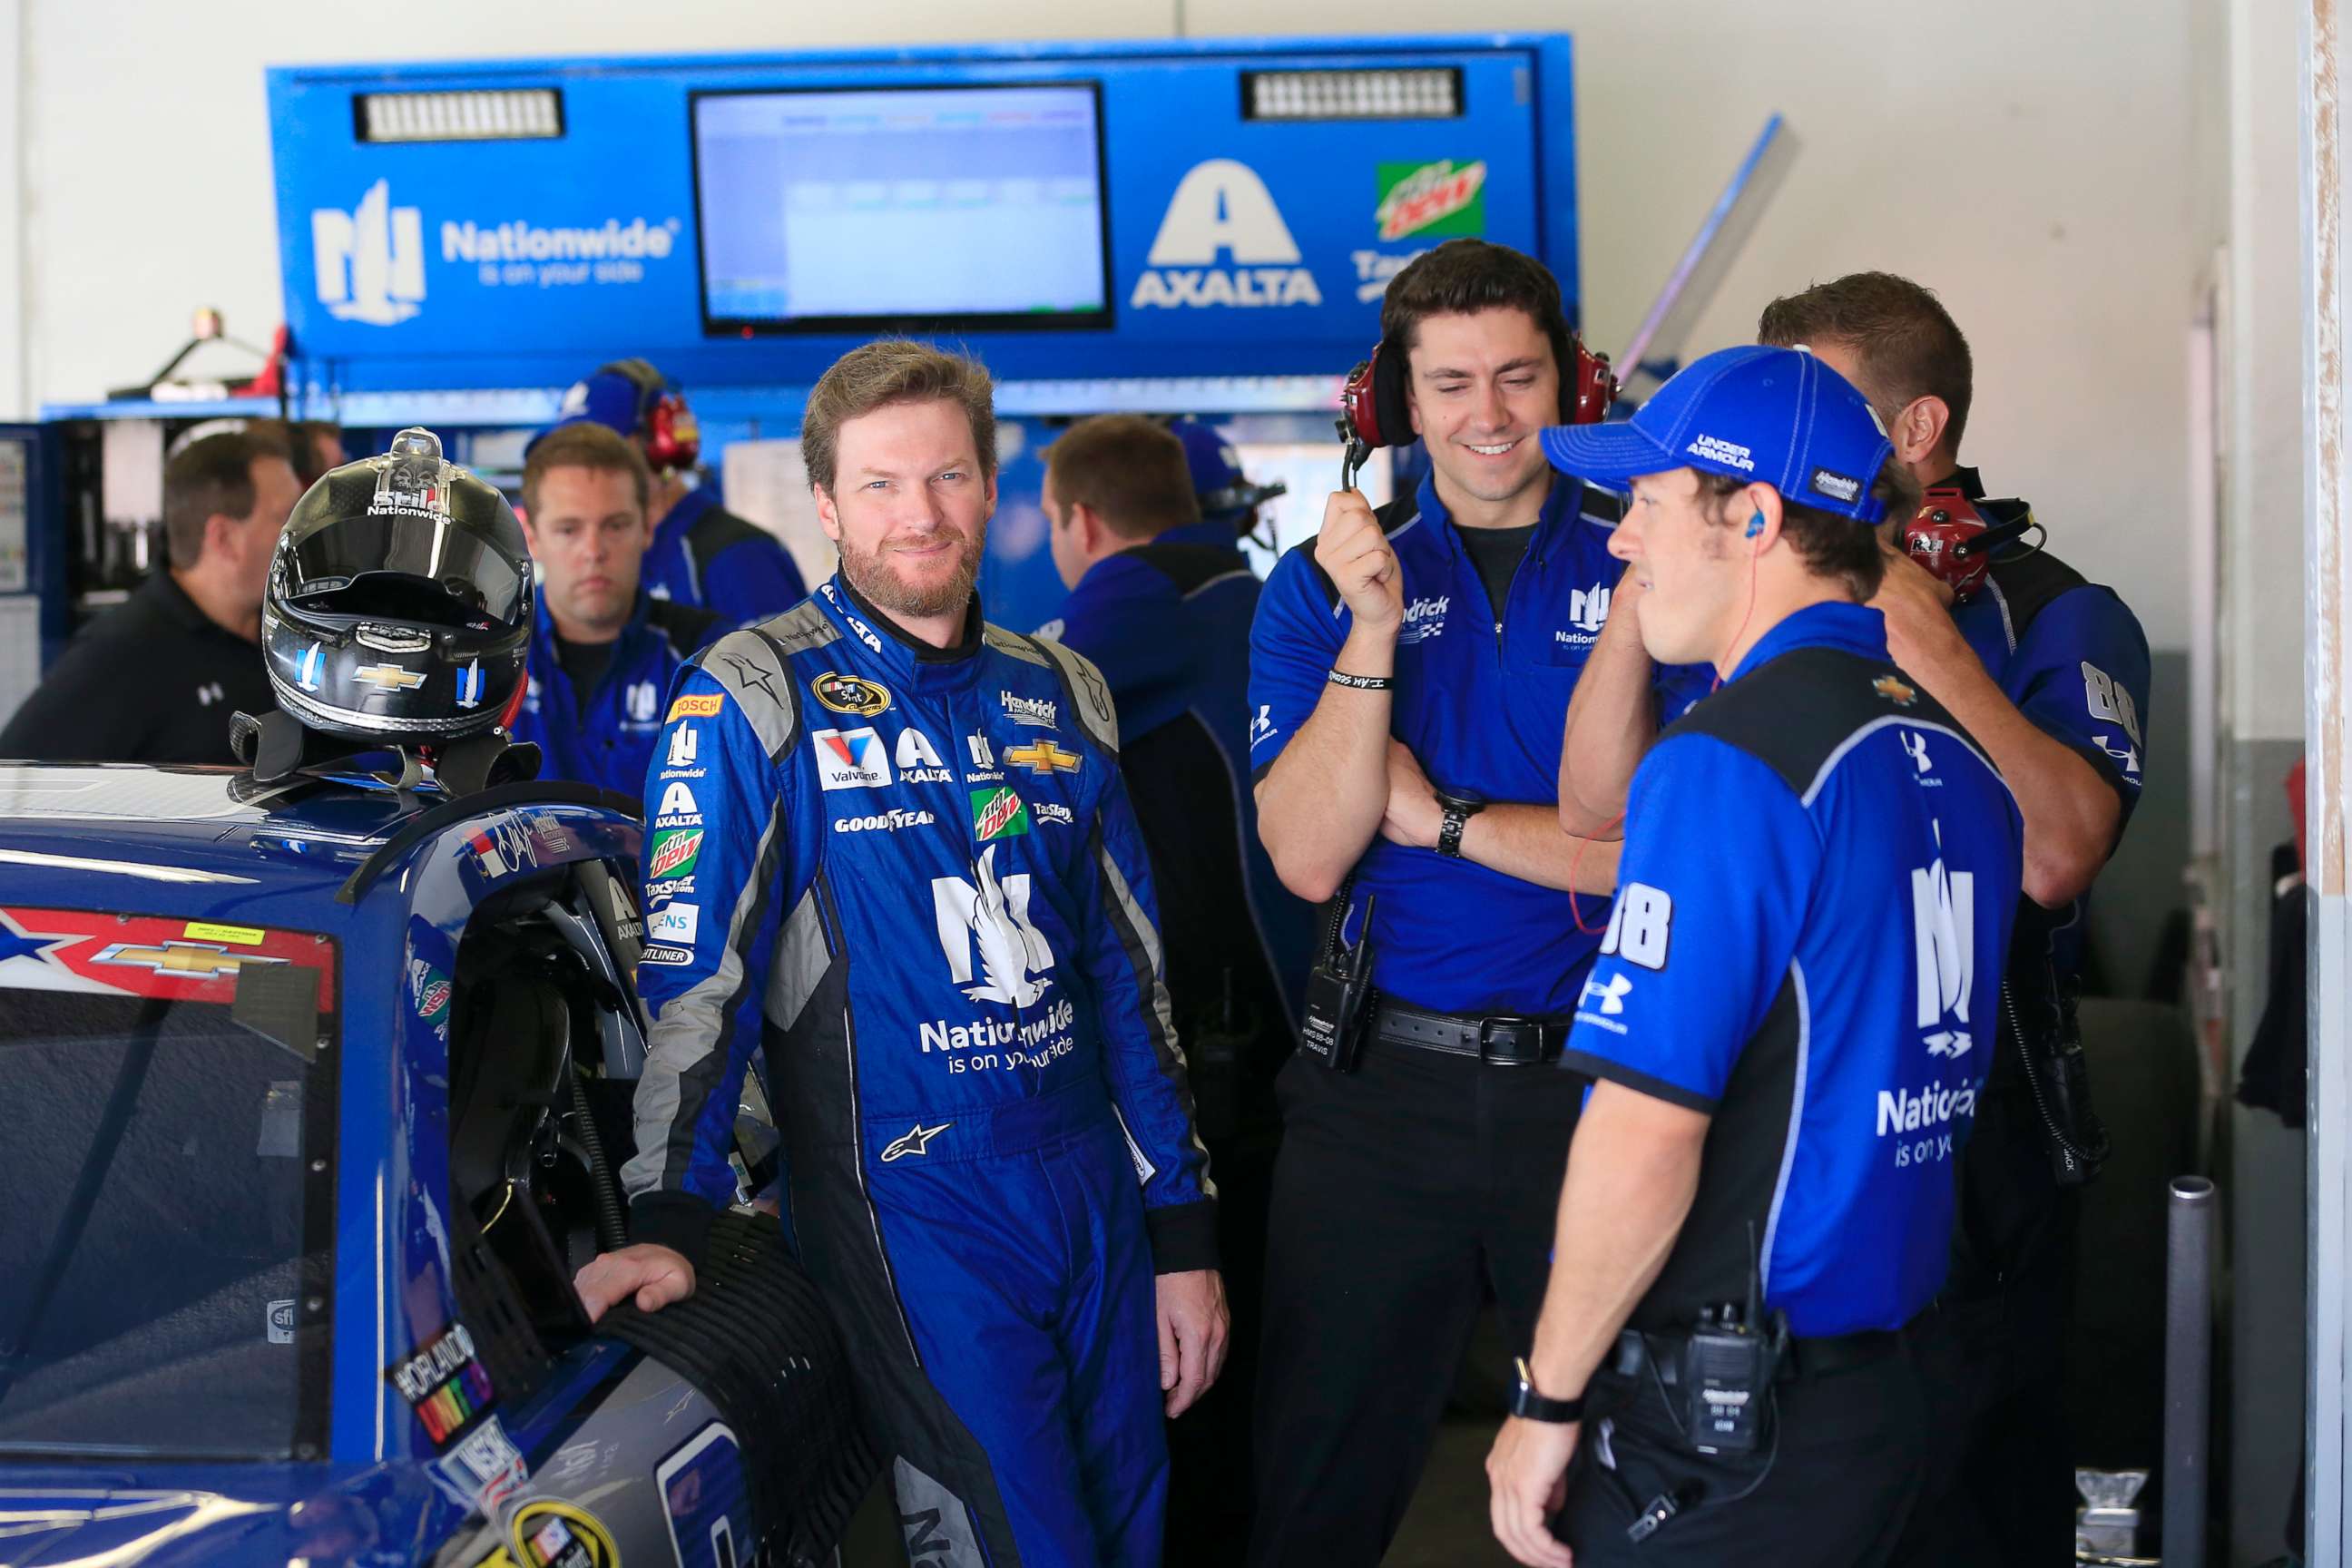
{"points": [[1531, 1406], [1449, 834]]}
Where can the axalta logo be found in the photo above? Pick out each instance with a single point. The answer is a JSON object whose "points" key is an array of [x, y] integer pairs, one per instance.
{"points": [[369, 262], [1222, 212], [637, 239]]}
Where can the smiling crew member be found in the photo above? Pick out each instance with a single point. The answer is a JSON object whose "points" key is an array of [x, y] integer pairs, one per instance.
{"points": [[1429, 646], [155, 680], [900, 862], [602, 650], [1787, 1039], [701, 553], [1160, 600]]}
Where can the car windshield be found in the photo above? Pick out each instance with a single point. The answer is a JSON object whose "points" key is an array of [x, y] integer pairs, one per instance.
{"points": [[165, 1247]]}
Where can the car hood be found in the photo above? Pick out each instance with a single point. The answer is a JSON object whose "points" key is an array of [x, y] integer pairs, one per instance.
{"points": [[275, 1514]]}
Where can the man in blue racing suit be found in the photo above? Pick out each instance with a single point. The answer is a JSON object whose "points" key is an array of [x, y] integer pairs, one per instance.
{"points": [[928, 902]]}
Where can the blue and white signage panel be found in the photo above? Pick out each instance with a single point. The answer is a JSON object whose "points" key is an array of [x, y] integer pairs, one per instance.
{"points": [[1070, 212]]}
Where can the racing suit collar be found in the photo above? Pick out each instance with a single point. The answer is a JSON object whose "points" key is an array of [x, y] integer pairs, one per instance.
{"points": [[903, 654], [1855, 628]]}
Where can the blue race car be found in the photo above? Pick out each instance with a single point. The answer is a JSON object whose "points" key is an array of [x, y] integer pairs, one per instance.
{"points": [[317, 1093]]}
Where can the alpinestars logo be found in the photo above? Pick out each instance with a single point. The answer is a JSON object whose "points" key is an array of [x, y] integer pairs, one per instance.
{"points": [[1943, 922], [370, 261], [993, 952], [1222, 209]]}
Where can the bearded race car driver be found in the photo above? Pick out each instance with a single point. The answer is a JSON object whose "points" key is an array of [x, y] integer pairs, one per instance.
{"points": [[892, 848]]}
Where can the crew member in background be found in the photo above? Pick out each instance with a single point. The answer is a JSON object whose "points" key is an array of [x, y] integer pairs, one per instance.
{"points": [[1226, 495], [602, 650], [1784, 1038], [155, 680], [1161, 602], [1410, 670], [2050, 673], [312, 445], [701, 554]]}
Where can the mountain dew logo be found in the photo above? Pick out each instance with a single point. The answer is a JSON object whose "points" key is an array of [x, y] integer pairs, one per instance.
{"points": [[997, 814], [673, 853], [1440, 199]]}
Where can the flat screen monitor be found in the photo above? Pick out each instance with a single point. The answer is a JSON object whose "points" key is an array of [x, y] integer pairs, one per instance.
{"points": [[833, 210]]}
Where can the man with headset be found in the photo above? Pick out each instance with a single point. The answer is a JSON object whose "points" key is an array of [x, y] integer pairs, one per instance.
{"points": [[701, 553], [1410, 670], [2050, 673], [1787, 1041]]}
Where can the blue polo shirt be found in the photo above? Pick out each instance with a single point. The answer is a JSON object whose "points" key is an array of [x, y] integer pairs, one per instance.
{"points": [[2070, 655], [609, 740], [705, 555], [1482, 698], [1813, 911]]}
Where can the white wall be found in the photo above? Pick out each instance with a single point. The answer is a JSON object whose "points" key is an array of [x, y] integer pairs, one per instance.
{"points": [[2027, 158]]}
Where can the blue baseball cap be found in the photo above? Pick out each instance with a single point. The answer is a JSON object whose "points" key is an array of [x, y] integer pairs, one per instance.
{"points": [[1216, 471], [1775, 415], [608, 398]]}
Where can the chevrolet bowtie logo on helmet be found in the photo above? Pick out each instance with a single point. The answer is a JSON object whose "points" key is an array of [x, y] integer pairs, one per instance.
{"points": [[389, 677]]}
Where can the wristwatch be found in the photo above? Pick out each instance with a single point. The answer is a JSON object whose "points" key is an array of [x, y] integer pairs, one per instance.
{"points": [[1459, 809], [1534, 1406]]}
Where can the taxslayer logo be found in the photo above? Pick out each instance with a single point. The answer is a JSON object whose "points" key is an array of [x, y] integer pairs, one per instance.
{"points": [[369, 263], [1222, 211], [1440, 198]]}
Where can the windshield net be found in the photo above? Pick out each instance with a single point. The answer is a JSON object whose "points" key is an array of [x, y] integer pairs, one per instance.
{"points": [[163, 1228]]}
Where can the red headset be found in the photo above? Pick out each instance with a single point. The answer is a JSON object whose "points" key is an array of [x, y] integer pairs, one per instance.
{"points": [[666, 427], [1955, 541], [1374, 410]]}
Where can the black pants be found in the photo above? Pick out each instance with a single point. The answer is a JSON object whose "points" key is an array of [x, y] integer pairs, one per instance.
{"points": [[1403, 1190], [1999, 1485], [1842, 1480], [1209, 1445]]}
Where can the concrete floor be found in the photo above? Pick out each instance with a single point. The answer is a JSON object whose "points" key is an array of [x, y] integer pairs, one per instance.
{"points": [[1446, 1527]]}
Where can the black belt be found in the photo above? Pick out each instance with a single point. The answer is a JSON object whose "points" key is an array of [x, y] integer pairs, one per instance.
{"points": [[1637, 1354], [1506, 1038]]}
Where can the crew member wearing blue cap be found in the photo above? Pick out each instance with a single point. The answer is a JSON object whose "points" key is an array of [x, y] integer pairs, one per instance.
{"points": [[1227, 496], [701, 553], [2051, 672], [1410, 671], [1160, 600], [1787, 1040], [603, 651]]}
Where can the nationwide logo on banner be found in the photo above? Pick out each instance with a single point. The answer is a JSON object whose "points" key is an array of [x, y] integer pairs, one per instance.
{"points": [[370, 261], [1440, 200]]}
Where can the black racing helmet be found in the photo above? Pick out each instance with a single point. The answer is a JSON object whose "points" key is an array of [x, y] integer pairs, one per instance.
{"points": [[399, 601]]}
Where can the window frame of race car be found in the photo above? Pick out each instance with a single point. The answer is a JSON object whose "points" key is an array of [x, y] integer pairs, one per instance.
{"points": [[184, 1246], [1723, 987]]}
